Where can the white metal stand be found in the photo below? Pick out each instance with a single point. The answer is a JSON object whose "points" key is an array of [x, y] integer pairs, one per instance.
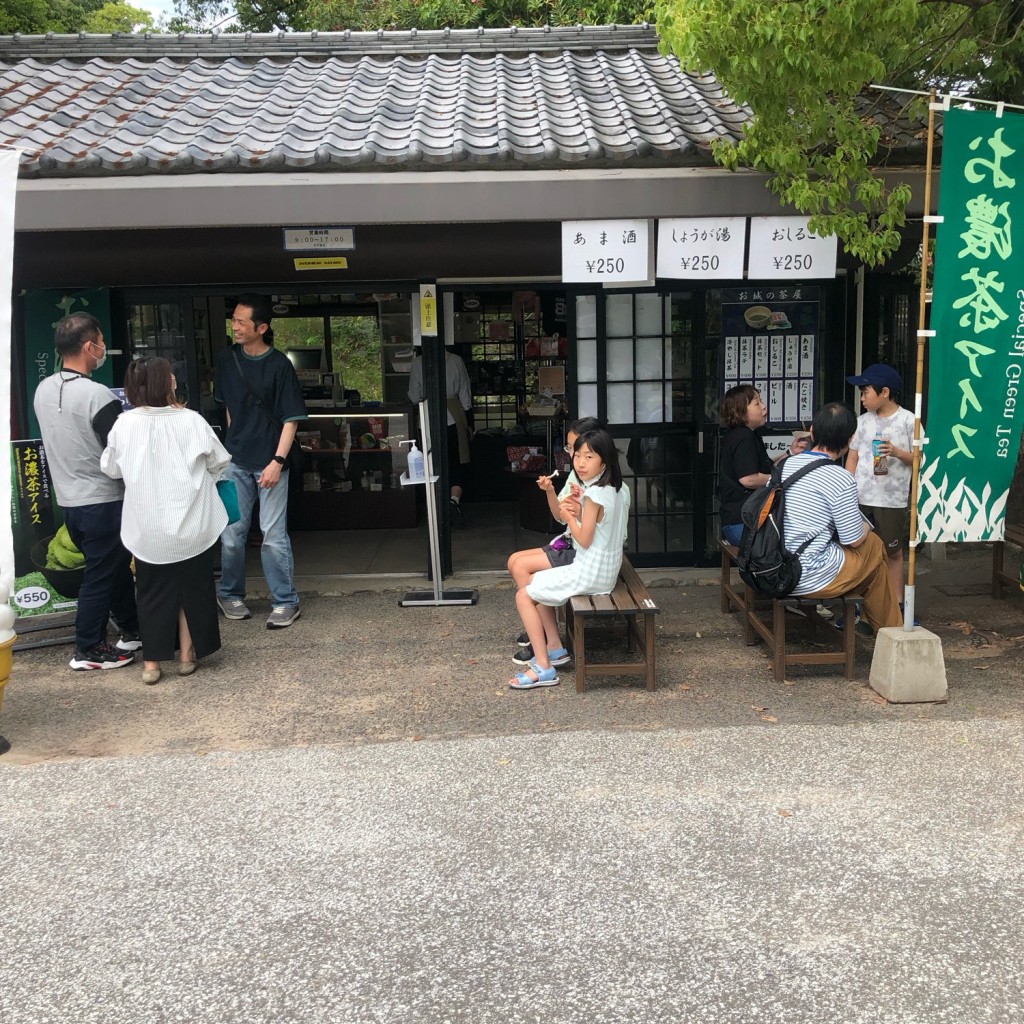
{"points": [[436, 597]]}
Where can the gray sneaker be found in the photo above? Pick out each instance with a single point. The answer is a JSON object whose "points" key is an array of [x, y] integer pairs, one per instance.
{"points": [[282, 615], [233, 608]]}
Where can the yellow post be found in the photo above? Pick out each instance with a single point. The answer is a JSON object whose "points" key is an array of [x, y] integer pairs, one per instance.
{"points": [[7, 638], [922, 318]]}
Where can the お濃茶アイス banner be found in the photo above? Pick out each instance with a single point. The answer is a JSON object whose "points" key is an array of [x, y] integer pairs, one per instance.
{"points": [[976, 372]]}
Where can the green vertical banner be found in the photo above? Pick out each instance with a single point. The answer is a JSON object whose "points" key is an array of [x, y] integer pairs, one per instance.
{"points": [[976, 378], [43, 308]]}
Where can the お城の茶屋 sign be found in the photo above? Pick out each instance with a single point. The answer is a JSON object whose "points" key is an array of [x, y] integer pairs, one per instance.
{"points": [[976, 377]]}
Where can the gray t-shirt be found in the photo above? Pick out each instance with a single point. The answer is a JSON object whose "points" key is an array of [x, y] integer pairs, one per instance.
{"points": [[75, 414]]}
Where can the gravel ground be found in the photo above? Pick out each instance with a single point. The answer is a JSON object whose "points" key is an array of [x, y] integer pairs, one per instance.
{"points": [[358, 668]]}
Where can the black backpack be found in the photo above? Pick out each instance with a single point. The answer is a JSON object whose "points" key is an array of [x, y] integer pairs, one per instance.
{"points": [[763, 561]]}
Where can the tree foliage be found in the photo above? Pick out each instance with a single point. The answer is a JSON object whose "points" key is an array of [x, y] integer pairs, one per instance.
{"points": [[35, 17], [116, 16], [804, 67], [362, 15]]}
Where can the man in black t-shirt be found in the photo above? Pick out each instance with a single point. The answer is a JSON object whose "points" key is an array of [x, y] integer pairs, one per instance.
{"points": [[264, 404]]}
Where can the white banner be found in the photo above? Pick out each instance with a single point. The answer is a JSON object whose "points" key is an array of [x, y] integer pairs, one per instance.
{"points": [[8, 190], [616, 252], [786, 248], [702, 248]]}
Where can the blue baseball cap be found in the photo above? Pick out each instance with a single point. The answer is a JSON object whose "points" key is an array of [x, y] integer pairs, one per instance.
{"points": [[878, 375]]}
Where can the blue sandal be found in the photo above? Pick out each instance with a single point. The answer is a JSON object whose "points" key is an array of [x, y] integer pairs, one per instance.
{"points": [[545, 677]]}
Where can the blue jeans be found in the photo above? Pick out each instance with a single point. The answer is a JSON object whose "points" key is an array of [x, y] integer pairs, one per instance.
{"points": [[107, 586], [732, 533], [276, 553]]}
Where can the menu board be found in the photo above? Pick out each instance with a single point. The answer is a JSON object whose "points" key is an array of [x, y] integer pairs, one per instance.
{"points": [[770, 340]]}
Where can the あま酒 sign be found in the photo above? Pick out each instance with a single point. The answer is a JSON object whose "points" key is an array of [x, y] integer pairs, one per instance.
{"points": [[607, 251]]}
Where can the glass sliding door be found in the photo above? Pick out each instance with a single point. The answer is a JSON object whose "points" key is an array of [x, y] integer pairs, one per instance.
{"points": [[640, 368]]}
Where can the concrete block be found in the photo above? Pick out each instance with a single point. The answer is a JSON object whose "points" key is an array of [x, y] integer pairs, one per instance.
{"points": [[908, 667]]}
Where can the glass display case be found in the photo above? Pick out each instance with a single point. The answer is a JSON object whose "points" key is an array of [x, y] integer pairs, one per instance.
{"points": [[354, 461], [159, 329]]}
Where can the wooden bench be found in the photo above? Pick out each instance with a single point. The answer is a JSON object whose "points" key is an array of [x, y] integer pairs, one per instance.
{"points": [[1000, 577], [630, 601], [765, 619]]}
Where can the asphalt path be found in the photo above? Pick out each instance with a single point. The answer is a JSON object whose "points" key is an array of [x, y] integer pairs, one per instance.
{"points": [[868, 872], [355, 820]]}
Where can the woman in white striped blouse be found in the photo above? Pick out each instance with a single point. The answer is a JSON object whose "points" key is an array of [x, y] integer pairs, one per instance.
{"points": [[170, 460]]}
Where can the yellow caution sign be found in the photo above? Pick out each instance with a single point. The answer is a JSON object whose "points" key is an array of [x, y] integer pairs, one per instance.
{"points": [[428, 310], [321, 263]]}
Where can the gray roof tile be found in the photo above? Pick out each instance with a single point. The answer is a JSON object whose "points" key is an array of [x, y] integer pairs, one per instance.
{"points": [[596, 97]]}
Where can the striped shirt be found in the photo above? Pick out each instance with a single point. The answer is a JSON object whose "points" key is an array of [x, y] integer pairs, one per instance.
{"points": [[821, 506], [170, 460]]}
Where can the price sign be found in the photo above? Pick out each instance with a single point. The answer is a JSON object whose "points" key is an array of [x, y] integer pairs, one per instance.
{"points": [[785, 247], [701, 248], [607, 251]]}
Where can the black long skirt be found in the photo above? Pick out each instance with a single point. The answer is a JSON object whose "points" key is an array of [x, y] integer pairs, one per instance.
{"points": [[161, 590]]}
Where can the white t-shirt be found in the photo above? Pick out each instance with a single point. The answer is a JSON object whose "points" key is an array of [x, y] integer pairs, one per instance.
{"points": [[893, 489]]}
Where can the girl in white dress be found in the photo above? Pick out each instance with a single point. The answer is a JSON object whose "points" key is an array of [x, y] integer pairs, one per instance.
{"points": [[594, 514]]}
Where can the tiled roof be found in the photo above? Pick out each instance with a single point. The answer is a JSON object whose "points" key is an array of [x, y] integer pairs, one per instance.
{"points": [[474, 100]]}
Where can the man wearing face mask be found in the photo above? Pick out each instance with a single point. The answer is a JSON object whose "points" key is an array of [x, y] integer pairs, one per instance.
{"points": [[75, 414]]}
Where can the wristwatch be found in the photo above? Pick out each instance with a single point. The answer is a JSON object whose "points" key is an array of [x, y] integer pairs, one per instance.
{"points": [[280, 460]]}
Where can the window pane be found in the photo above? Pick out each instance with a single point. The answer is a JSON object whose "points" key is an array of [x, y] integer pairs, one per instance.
{"points": [[586, 360], [648, 358], [682, 357], [648, 313], [620, 404], [679, 533], [650, 406], [650, 536], [586, 316], [670, 405], [619, 313], [620, 360], [586, 395]]}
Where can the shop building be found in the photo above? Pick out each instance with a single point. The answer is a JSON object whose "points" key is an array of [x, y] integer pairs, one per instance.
{"points": [[163, 176]]}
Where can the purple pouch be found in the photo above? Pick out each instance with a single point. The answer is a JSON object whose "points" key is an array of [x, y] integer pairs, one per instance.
{"points": [[560, 543]]}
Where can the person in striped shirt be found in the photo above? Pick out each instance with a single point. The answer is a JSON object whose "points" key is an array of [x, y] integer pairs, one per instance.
{"points": [[844, 553]]}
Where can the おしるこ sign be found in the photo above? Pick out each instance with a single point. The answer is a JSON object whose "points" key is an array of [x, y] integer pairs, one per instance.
{"points": [[975, 379], [785, 248]]}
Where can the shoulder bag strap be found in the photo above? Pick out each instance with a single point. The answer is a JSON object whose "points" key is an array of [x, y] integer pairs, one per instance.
{"points": [[792, 478], [802, 471]]}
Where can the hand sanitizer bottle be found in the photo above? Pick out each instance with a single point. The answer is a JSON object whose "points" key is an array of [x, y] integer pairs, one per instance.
{"points": [[415, 463]]}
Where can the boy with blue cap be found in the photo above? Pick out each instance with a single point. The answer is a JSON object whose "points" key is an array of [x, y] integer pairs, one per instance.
{"points": [[881, 460]]}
